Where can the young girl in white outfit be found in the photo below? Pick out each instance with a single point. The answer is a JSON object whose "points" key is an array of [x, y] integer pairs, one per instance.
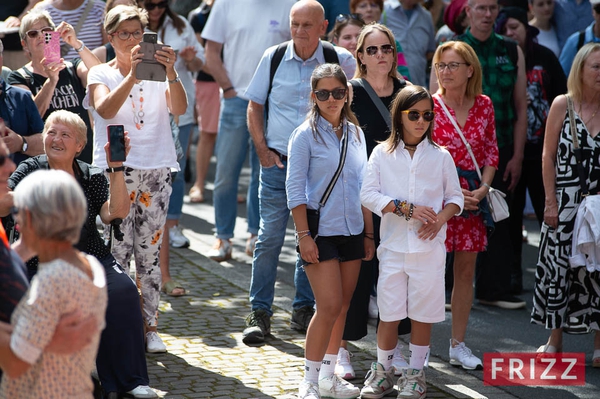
{"points": [[413, 185], [332, 258]]}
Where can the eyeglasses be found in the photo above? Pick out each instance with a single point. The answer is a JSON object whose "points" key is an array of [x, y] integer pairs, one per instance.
{"points": [[452, 66], [385, 49], [152, 6], [323, 95], [414, 116], [35, 32], [341, 18], [483, 9], [124, 35]]}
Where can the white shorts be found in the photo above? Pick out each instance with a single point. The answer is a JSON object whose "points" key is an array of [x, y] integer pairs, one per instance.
{"points": [[411, 285]]}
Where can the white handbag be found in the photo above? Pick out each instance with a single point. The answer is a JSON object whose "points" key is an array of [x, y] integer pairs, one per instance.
{"points": [[496, 201]]}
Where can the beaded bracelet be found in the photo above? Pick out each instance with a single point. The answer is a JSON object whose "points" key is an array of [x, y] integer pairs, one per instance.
{"points": [[302, 236], [302, 232], [398, 207], [410, 212]]}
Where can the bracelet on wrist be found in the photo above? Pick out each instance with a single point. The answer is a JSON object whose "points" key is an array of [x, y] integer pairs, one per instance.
{"points": [[174, 80], [228, 89], [408, 215], [303, 236], [117, 169], [80, 49], [370, 236], [302, 232], [486, 185]]}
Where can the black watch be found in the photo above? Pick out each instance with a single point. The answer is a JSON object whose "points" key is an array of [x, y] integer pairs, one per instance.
{"points": [[25, 145]]}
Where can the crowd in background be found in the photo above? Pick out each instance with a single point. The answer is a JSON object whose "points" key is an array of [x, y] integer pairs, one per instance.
{"points": [[504, 92]]}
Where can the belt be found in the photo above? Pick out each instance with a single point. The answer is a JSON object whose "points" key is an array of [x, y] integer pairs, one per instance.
{"points": [[283, 158]]}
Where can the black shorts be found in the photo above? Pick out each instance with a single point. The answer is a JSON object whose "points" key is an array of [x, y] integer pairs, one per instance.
{"points": [[342, 248]]}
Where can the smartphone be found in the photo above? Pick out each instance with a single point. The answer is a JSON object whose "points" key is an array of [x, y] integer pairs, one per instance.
{"points": [[149, 68], [116, 143], [52, 46]]}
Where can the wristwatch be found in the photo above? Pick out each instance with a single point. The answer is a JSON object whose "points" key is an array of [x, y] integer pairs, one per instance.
{"points": [[25, 145]]}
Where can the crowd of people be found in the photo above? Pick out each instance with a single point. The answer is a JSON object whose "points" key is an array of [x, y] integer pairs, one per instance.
{"points": [[381, 127]]}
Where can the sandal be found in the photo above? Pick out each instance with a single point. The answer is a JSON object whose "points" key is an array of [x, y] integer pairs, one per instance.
{"points": [[196, 195], [173, 288], [546, 348]]}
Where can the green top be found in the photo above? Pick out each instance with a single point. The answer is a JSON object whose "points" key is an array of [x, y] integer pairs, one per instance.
{"points": [[499, 69]]}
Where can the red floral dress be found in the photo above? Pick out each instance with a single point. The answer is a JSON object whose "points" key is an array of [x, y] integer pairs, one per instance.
{"points": [[467, 232]]}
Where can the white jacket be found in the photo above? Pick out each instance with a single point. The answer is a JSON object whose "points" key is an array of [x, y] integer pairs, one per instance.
{"points": [[586, 235]]}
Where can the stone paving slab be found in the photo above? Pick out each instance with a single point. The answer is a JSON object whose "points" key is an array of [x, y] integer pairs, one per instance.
{"points": [[206, 357]]}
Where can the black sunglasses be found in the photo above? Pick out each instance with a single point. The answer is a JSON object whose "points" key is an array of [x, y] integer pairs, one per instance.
{"points": [[414, 116], [152, 6], [323, 95], [35, 32], [385, 49], [341, 18]]}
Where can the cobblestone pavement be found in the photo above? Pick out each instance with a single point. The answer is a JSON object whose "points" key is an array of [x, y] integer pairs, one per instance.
{"points": [[206, 357]]}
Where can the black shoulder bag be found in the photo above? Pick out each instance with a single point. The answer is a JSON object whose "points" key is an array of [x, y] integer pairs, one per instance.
{"points": [[313, 215]]}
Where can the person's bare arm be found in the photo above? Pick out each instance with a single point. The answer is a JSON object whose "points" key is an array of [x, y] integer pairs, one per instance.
{"points": [[9, 362], [217, 69], [513, 167], [551, 138], [118, 204], [15, 20], [14, 142], [256, 126]]}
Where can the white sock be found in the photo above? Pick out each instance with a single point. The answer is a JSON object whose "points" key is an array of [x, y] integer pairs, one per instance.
{"points": [[418, 354], [311, 370], [327, 366], [385, 357]]}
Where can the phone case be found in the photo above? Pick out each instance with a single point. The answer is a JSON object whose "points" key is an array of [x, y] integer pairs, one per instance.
{"points": [[52, 46], [149, 68]]}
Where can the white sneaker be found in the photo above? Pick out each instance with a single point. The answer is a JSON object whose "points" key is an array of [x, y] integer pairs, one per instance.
{"points": [[378, 382], [143, 391], [460, 355], [221, 251], [399, 361], [343, 367], [177, 239], [412, 385], [154, 343], [336, 388], [308, 390], [373, 309]]}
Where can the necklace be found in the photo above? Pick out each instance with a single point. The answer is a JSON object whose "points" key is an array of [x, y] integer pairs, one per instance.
{"points": [[410, 147], [338, 127], [139, 115], [593, 115]]}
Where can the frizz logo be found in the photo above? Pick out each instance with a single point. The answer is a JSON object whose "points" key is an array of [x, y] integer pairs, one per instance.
{"points": [[534, 369]]}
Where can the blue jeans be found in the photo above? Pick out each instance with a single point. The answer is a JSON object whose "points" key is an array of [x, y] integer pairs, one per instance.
{"points": [[176, 201], [274, 216], [233, 143]]}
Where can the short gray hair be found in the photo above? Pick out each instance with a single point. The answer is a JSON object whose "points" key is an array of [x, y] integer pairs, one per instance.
{"points": [[122, 13], [56, 203], [31, 18]]}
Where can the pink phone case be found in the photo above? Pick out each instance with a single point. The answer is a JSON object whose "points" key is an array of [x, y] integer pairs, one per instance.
{"points": [[52, 46]]}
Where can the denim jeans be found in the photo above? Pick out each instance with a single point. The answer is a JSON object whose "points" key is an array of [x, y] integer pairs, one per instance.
{"points": [[176, 201], [233, 143], [274, 216]]}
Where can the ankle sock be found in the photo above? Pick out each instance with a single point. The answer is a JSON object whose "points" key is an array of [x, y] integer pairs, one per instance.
{"points": [[418, 354], [311, 370], [385, 357], [327, 366]]}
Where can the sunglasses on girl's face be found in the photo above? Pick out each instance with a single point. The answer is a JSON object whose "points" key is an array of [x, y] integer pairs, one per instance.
{"points": [[152, 6], [35, 32], [385, 49], [414, 116], [323, 95]]}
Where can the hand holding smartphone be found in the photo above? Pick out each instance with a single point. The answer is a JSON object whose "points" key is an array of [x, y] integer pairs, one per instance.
{"points": [[149, 68], [52, 46], [116, 143]]}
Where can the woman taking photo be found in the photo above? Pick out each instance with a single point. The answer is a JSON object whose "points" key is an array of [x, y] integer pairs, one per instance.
{"points": [[121, 361], [332, 258], [117, 97], [375, 66], [459, 75], [565, 297], [50, 209]]}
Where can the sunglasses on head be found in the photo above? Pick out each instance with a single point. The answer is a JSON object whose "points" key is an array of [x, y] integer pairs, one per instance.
{"points": [[35, 32], [414, 116], [152, 6], [385, 49], [323, 95], [341, 18]]}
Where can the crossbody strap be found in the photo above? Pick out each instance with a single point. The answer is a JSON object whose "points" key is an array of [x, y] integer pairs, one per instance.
{"points": [[460, 133], [383, 110], [86, 11], [577, 150], [338, 172]]}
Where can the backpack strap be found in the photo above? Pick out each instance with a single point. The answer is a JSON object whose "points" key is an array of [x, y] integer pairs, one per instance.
{"points": [[581, 39], [331, 56]]}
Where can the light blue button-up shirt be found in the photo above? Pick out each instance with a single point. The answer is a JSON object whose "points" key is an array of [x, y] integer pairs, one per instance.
{"points": [[289, 100], [311, 165], [567, 55]]}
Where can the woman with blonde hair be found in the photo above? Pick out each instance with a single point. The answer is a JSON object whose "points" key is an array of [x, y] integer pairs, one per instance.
{"points": [[459, 102]]}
